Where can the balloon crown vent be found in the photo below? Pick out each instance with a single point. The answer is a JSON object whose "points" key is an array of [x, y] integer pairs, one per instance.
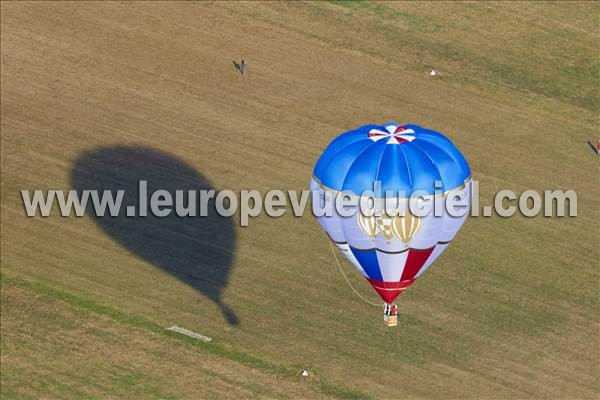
{"points": [[394, 134]]}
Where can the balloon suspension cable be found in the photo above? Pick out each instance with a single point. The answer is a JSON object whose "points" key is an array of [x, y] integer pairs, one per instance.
{"points": [[348, 281]]}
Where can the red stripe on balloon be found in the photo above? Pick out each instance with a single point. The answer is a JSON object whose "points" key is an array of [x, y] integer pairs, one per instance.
{"points": [[388, 291], [414, 262]]}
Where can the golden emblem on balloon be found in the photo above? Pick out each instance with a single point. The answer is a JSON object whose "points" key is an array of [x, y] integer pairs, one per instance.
{"points": [[403, 227]]}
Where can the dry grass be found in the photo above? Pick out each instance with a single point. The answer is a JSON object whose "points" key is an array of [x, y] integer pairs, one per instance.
{"points": [[58, 350], [510, 310]]}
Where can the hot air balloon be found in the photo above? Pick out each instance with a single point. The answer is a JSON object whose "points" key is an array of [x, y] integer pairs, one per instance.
{"points": [[392, 249]]}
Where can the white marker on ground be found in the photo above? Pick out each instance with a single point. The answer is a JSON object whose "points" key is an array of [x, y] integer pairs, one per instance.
{"points": [[189, 333]]}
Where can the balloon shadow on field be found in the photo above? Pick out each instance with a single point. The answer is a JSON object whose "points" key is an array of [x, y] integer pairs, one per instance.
{"points": [[197, 250]]}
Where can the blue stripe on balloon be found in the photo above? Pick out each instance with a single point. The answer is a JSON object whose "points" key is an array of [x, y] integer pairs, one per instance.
{"points": [[422, 171], [364, 169], [338, 145], [462, 166], [335, 172], [393, 172], [446, 165], [368, 261]]}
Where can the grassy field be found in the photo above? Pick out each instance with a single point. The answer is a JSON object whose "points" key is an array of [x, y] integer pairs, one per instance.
{"points": [[114, 90]]}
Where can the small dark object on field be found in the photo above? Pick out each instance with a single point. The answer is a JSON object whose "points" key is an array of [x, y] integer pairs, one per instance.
{"points": [[241, 66]]}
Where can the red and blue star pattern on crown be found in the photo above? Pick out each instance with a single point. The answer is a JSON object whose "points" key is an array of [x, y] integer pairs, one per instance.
{"points": [[395, 134]]}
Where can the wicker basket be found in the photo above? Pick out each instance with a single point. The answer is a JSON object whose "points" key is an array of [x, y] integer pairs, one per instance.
{"points": [[390, 320]]}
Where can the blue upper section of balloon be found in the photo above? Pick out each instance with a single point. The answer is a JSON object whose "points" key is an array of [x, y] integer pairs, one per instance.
{"points": [[402, 157]]}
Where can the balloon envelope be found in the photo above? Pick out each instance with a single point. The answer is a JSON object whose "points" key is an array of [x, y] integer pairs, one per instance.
{"points": [[390, 250]]}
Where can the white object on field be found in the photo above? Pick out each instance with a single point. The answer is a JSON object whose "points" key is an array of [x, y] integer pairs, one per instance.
{"points": [[189, 333], [304, 372], [433, 73]]}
